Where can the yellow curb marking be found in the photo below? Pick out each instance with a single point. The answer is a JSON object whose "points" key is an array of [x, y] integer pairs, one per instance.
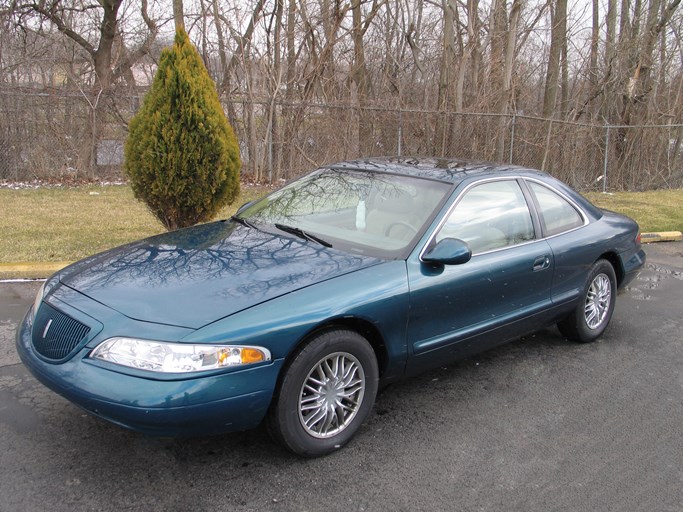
{"points": [[33, 267], [664, 236]]}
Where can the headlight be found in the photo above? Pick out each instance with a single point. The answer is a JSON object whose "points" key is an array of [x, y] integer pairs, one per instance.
{"points": [[44, 289], [39, 298], [165, 357]]}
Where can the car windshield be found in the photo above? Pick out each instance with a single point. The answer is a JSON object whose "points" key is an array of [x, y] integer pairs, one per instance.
{"points": [[378, 214]]}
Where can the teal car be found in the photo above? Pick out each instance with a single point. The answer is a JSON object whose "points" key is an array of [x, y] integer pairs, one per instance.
{"points": [[292, 312]]}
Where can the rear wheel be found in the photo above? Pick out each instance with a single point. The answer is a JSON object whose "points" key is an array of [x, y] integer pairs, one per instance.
{"points": [[326, 393], [592, 315]]}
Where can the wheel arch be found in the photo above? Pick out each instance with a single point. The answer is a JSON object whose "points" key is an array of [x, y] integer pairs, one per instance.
{"points": [[361, 326], [614, 260]]}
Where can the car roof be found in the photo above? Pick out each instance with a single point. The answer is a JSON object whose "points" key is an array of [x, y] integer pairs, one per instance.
{"points": [[442, 169]]}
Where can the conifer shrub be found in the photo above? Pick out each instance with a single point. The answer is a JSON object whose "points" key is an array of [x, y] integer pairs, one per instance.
{"points": [[181, 155]]}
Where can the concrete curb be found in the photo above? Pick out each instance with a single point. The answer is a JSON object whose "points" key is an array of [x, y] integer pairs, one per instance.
{"points": [[30, 270], [664, 236], [39, 270]]}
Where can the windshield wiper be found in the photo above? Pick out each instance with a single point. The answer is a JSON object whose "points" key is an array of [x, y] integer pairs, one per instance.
{"points": [[302, 234], [244, 222]]}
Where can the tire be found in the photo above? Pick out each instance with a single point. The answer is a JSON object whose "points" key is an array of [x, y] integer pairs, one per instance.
{"points": [[594, 312], [325, 394]]}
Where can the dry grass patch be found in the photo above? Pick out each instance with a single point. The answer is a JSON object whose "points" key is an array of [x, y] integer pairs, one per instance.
{"points": [[67, 224], [657, 210]]}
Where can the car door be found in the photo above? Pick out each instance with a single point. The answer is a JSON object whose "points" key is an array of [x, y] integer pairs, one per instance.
{"points": [[566, 229], [501, 293]]}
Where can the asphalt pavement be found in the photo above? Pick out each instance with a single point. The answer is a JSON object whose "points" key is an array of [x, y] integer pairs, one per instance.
{"points": [[541, 424]]}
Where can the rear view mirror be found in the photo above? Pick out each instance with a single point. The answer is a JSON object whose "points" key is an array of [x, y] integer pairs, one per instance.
{"points": [[449, 251]]}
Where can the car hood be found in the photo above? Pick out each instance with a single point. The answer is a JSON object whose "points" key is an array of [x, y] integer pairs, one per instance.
{"points": [[195, 276]]}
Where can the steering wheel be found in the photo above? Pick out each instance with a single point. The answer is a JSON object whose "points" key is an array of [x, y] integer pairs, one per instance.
{"points": [[400, 223]]}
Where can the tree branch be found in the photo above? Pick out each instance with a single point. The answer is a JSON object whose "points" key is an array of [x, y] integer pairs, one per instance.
{"points": [[143, 49], [52, 16]]}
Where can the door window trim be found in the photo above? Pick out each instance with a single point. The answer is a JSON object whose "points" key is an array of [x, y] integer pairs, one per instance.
{"points": [[537, 207], [534, 211]]}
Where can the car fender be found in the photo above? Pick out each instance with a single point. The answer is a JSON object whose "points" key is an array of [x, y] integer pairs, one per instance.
{"points": [[378, 295]]}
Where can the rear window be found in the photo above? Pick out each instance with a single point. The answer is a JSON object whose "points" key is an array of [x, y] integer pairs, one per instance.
{"points": [[557, 214]]}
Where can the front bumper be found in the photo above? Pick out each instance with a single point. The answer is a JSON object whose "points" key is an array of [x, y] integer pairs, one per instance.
{"points": [[197, 405]]}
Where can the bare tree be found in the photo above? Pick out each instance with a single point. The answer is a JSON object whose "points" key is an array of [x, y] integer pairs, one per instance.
{"points": [[558, 42], [109, 63], [178, 15], [304, 81]]}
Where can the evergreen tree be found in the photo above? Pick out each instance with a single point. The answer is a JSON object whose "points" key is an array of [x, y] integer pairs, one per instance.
{"points": [[181, 155]]}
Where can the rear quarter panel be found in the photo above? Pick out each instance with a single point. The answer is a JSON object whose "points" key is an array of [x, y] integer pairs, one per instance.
{"points": [[612, 236]]}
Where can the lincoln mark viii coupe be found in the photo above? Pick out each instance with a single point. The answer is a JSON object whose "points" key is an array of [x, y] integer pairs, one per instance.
{"points": [[297, 308]]}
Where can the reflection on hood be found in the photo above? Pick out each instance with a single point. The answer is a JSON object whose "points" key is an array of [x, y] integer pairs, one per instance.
{"points": [[198, 275]]}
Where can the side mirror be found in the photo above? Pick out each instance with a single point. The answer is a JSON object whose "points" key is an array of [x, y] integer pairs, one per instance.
{"points": [[449, 251]]}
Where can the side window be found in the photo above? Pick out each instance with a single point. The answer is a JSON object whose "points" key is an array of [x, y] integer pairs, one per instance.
{"points": [[490, 216], [557, 214]]}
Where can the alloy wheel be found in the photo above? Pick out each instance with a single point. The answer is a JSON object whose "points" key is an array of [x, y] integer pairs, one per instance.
{"points": [[331, 395], [598, 301]]}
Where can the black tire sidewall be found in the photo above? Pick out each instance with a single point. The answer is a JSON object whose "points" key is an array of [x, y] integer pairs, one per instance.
{"points": [[285, 414]]}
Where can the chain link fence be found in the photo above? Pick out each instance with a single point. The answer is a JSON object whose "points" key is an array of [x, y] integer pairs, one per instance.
{"points": [[52, 134]]}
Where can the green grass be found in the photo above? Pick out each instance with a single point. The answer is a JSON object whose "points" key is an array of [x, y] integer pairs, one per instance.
{"points": [[658, 210], [67, 224]]}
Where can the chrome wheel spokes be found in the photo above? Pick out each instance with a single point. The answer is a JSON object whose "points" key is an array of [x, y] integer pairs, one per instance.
{"points": [[598, 301], [331, 394]]}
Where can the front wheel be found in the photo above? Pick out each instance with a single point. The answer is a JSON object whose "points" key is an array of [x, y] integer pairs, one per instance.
{"points": [[326, 393], [592, 315]]}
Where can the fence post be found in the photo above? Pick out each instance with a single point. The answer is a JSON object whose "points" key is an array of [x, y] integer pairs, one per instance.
{"points": [[400, 130], [269, 141], [547, 144], [512, 136], [604, 170]]}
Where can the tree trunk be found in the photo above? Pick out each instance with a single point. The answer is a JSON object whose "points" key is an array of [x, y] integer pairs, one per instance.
{"points": [[558, 41], [360, 79], [222, 50], [223, 83], [638, 86], [447, 76], [274, 142], [178, 15], [288, 114], [608, 106], [594, 72], [507, 96]]}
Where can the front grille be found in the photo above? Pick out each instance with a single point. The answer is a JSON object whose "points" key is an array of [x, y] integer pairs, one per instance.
{"points": [[55, 334]]}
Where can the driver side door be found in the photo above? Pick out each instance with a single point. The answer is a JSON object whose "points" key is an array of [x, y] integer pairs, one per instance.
{"points": [[500, 294]]}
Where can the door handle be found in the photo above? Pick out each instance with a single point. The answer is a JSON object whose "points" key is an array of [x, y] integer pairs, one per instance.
{"points": [[541, 263]]}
